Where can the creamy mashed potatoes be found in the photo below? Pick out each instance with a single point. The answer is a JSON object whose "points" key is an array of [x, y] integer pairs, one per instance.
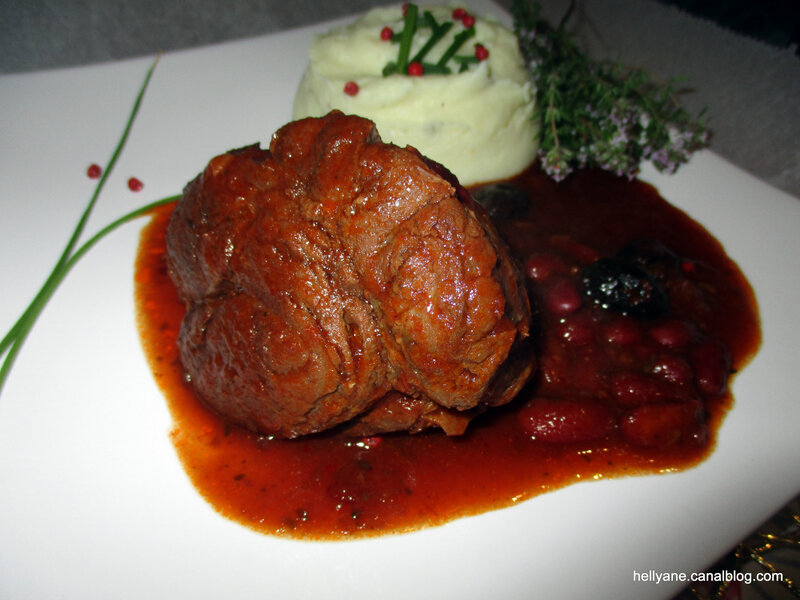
{"points": [[478, 123]]}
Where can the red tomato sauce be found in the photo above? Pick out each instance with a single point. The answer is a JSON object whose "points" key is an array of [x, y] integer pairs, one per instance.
{"points": [[615, 395]]}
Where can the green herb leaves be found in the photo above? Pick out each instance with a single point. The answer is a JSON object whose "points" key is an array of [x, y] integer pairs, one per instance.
{"points": [[598, 113]]}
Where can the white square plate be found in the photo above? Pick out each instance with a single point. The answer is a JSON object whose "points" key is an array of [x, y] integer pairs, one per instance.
{"points": [[93, 501]]}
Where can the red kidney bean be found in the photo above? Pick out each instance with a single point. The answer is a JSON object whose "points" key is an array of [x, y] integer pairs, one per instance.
{"points": [[577, 330], [664, 425], [565, 420], [673, 369], [580, 252], [712, 365], [672, 333], [540, 267], [562, 297], [624, 331], [634, 389]]}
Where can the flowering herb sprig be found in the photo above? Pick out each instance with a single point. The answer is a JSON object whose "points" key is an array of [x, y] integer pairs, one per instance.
{"points": [[13, 340], [600, 113]]}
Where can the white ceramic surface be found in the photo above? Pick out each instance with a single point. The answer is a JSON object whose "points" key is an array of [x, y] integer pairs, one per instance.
{"points": [[93, 501]]}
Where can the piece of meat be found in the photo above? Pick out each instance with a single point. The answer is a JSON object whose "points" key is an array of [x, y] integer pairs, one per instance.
{"points": [[334, 279]]}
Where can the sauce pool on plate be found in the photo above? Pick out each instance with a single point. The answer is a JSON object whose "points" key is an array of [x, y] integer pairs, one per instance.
{"points": [[620, 390]]}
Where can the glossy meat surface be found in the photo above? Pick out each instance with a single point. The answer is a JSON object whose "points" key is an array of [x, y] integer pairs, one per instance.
{"points": [[337, 280]]}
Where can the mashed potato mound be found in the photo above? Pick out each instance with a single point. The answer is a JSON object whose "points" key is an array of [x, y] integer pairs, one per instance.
{"points": [[478, 123]]}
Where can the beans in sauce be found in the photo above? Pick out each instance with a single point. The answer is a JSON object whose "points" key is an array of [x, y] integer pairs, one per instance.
{"points": [[620, 390]]}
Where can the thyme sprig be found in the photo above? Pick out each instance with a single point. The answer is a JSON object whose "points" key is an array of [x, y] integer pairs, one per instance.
{"points": [[600, 113], [12, 342]]}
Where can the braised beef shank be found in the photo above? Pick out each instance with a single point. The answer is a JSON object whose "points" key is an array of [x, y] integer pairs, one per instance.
{"points": [[334, 280]]}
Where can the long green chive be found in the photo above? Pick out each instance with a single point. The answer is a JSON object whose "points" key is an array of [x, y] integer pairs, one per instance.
{"points": [[439, 31], [13, 341], [9, 337], [435, 69], [409, 28], [458, 41]]}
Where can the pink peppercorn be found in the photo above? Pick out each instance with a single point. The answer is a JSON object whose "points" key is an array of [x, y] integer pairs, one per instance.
{"points": [[415, 69], [351, 88]]}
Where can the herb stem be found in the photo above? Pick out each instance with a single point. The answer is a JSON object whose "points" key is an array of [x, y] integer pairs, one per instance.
{"points": [[107, 171], [439, 31], [409, 29], [25, 323], [12, 342], [458, 41]]}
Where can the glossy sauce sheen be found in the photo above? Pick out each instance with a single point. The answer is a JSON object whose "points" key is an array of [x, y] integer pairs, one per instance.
{"points": [[326, 487]]}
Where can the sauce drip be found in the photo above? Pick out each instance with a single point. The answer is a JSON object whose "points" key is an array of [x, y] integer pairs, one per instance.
{"points": [[329, 487]]}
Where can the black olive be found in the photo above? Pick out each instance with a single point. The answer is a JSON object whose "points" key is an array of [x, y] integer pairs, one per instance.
{"points": [[624, 287], [652, 256], [501, 200]]}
